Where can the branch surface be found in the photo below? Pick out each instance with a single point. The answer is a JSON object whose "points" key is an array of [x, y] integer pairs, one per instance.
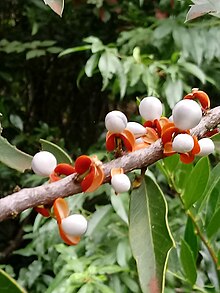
{"points": [[12, 205]]}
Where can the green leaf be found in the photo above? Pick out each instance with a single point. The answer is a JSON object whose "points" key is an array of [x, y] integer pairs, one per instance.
{"points": [[214, 224], [173, 91], [119, 205], [190, 237], [194, 70], [196, 182], [35, 53], [188, 262], [74, 49], [8, 284], [103, 288], [16, 121], [56, 5], [98, 218], [148, 230], [58, 152], [91, 64], [12, 157]]}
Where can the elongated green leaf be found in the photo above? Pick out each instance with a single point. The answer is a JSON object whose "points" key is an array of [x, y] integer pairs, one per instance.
{"points": [[214, 224], [56, 5], [12, 157], [188, 262], [60, 154], [74, 50], [8, 284], [196, 182], [119, 205], [91, 64], [149, 235], [190, 237]]}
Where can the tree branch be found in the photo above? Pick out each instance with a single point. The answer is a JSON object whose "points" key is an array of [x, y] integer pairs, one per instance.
{"points": [[12, 205]]}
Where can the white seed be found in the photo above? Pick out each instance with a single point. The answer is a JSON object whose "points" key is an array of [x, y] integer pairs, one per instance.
{"points": [[120, 183], [74, 225], [43, 163], [186, 114], [115, 121], [183, 143], [136, 128], [206, 146], [150, 108]]}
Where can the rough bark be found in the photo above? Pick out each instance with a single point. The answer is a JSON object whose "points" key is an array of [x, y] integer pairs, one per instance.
{"points": [[12, 205]]}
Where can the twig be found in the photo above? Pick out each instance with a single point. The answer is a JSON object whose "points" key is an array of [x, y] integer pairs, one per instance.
{"points": [[12, 205]]}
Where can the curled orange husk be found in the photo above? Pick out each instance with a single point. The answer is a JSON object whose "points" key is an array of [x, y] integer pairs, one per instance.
{"points": [[201, 96], [126, 136], [61, 209]]}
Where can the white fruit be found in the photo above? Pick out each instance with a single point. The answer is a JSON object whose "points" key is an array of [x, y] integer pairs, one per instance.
{"points": [[74, 225], [120, 183], [43, 163], [115, 121], [206, 146], [150, 108], [186, 114], [183, 143], [136, 128]]}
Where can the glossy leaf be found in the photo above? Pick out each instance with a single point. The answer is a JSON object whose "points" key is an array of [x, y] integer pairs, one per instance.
{"points": [[196, 182], [188, 262], [148, 230], [56, 5], [12, 157], [58, 152], [8, 284]]}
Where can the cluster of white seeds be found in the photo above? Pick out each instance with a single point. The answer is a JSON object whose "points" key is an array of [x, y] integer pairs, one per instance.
{"points": [[186, 114]]}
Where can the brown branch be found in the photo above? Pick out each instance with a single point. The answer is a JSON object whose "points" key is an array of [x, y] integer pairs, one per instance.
{"points": [[12, 205]]}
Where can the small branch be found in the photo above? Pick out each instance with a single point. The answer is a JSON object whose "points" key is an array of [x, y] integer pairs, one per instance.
{"points": [[12, 205]]}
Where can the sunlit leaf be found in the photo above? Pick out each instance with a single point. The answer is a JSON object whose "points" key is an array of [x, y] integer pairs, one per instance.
{"points": [[56, 5], [196, 182], [149, 235], [74, 50], [12, 157], [8, 284], [91, 64], [188, 262], [58, 152], [173, 91]]}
